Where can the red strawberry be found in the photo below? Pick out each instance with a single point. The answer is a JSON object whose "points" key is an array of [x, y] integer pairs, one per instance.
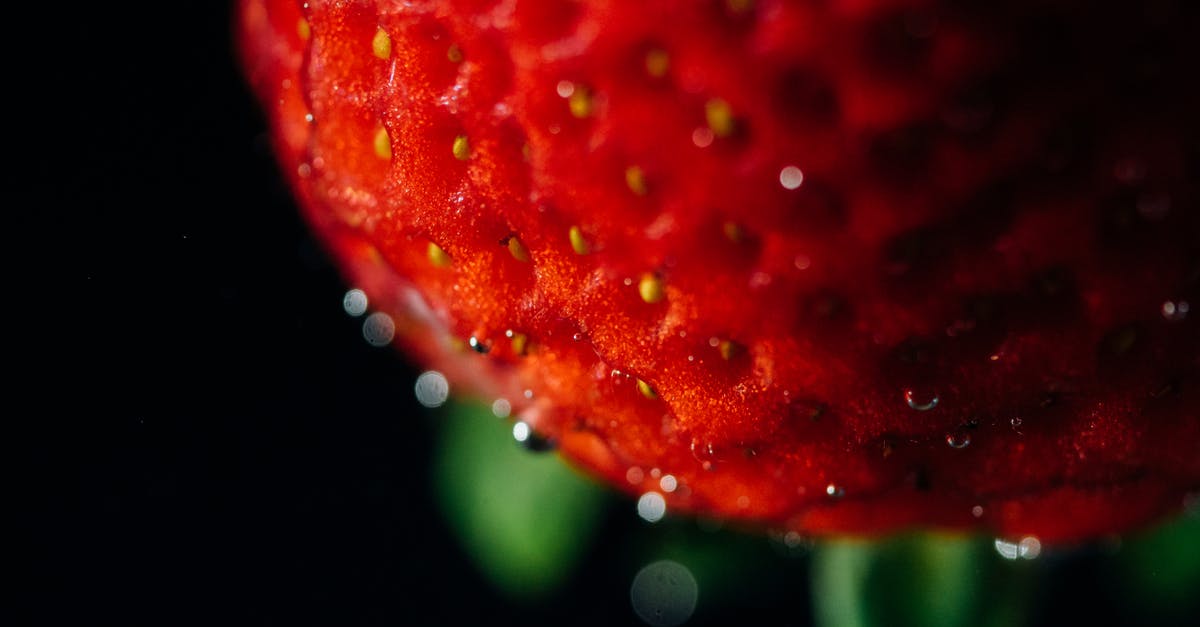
{"points": [[840, 267]]}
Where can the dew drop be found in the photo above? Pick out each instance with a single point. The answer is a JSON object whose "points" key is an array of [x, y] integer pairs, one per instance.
{"points": [[835, 491], [635, 475], [958, 439], [432, 389], [791, 177], [530, 441], [977, 511], [501, 408], [379, 329], [921, 400], [664, 594], [668, 483], [478, 345], [1175, 310], [652, 507], [702, 137], [355, 302]]}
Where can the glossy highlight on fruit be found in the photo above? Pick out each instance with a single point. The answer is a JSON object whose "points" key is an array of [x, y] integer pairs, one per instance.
{"points": [[843, 267]]}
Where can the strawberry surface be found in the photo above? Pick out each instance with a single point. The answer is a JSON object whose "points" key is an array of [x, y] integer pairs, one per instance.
{"points": [[839, 267]]}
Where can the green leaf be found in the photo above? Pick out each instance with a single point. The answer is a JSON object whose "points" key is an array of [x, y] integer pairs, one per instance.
{"points": [[1162, 566], [525, 518], [917, 579]]}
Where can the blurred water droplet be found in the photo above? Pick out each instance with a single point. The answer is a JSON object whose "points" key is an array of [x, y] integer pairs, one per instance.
{"points": [[1007, 550], [355, 302], [501, 408], [1028, 548], [651, 506], [432, 389], [1016, 423], [921, 400], [1175, 310], [959, 438], [478, 345], [378, 329], [634, 475], [791, 177], [664, 594], [977, 511], [668, 483], [528, 439], [835, 491]]}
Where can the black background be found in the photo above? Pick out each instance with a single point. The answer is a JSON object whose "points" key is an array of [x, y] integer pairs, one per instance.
{"points": [[197, 432]]}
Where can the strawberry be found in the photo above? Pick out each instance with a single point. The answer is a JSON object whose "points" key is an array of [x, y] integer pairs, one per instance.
{"points": [[839, 267]]}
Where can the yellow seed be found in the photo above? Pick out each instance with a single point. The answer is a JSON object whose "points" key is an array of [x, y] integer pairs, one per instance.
{"points": [[580, 102], [461, 148], [454, 53], [520, 343], [437, 256], [636, 180], [719, 116], [517, 249], [733, 232], [657, 63], [646, 390], [383, 144], [303, 29], [381, 45], [728, 349], [578, 243], [651, 288]]}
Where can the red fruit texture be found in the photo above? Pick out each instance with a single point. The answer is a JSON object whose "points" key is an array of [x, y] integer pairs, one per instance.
{"points": [[842, 267]]}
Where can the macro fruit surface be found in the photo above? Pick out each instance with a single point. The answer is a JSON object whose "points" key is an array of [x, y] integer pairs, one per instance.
{"points": [[842, 267]]}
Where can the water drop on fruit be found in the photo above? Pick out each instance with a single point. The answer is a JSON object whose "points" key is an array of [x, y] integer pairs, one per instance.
{"points": [[959, 438], [835, 491], [921, 400], [530, 441], [501, 408]]}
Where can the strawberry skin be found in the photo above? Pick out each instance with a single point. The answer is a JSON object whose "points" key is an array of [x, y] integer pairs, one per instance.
{"points": [[840, 267]]}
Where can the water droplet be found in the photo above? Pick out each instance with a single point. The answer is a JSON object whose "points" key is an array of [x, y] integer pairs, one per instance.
{"points": [[432, 389], [652, 507], [378, 329], [1028, 548], [959, 438], [664, 594], [1016, 423], [705, 453], [565, 89], [977, 511], [791, 177], [634, 475], [528, 394], [835, 491], [530, 441], [501, 408], [355, 302], [743, 502], [921, 400], [1175, 310], [668, 483], [478, 345]]}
